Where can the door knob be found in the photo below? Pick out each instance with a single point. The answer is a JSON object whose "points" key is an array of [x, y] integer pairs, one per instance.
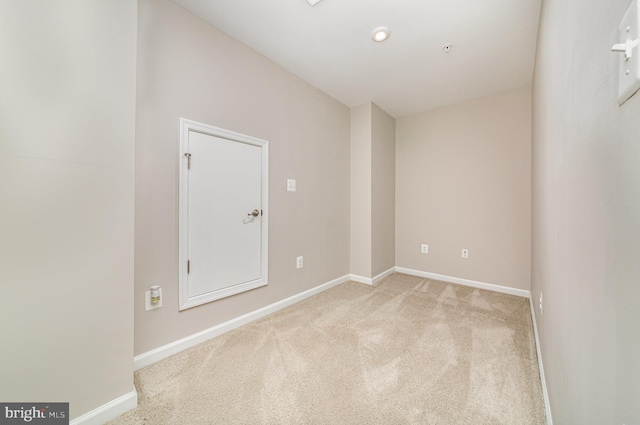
{"points": [[254, 213]]}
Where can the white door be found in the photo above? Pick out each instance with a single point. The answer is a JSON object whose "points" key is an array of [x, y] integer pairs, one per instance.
{"points": [[223, 213]]}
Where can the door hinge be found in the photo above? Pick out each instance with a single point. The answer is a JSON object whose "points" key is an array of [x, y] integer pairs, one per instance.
{"points": [[188, 266], [188, 155]]}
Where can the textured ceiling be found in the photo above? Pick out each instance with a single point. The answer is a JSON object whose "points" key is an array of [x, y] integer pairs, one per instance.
{"points": [[330, 46]]}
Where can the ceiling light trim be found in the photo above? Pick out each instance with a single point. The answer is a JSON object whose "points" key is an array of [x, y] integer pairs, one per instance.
{"points": [[380, 34]]}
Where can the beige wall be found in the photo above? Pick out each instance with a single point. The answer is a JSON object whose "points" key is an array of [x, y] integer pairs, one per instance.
{"points": [[187, 68], [372, 190], [463, 181], [361, 190], [586, 217], [383, 191], [67, 102]]}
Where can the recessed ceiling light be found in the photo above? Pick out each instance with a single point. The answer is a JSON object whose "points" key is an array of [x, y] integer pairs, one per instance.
{"points": [[380, 34]]}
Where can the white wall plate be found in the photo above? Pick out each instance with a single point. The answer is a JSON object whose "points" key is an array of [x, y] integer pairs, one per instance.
{"points": [[628, 67]]}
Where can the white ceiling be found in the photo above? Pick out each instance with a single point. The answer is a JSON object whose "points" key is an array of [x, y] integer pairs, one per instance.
{"points": [[330, 46]]}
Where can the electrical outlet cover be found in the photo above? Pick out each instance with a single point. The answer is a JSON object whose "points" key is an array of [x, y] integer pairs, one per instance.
{"points": [[147, 301]]}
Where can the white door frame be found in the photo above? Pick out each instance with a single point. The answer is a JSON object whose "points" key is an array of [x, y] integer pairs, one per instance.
{"points": [[183, 229]]}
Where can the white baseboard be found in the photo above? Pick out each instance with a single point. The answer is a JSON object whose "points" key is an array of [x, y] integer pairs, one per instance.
{"points": [[160, 353], [361, 279], [374, 280], [474, 284], [545, 394], [108, 411]]}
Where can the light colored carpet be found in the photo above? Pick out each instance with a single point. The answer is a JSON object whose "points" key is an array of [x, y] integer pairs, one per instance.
{"points": [[409, 351]]}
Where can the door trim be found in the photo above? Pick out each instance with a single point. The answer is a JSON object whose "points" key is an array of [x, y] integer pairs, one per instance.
{"points": [[185, 301]]}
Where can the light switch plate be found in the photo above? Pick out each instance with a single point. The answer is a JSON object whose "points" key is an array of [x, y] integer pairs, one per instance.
{"points": [[629, 69]]}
